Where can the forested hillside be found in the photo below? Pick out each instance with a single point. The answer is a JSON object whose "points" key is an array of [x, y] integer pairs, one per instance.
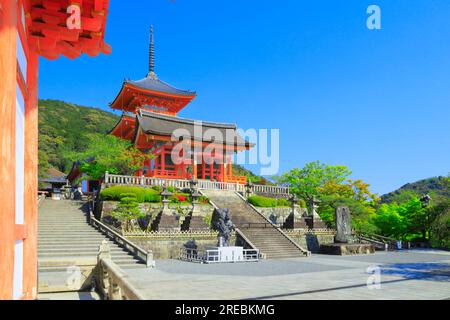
{"points": [[62, 128], [433, 186]]}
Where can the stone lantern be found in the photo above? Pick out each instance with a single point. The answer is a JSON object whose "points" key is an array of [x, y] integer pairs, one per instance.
{"points": [[294, 204], [314, 203], [165, 194], [193, 184], [195, 195]]}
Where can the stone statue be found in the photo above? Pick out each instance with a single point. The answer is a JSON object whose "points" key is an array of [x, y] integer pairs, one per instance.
{"points": [[225, 227], [343, 225]]}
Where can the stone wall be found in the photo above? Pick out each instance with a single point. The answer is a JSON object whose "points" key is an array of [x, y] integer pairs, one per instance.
{"points": [[168, 246], [151, 210], [279, 215], [311, 239]]}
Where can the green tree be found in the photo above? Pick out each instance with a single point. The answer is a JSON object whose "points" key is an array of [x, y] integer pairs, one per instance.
{"points": [[127, 211], [108, 153], [307, 182], [407, 221], [440, 226]]}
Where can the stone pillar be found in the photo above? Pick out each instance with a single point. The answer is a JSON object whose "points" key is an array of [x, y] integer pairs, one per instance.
{"points": [[249, 189], [195, 195]]}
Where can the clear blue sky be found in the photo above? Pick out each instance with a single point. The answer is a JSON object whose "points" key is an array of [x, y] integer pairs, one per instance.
{"points": [[376, 101]]}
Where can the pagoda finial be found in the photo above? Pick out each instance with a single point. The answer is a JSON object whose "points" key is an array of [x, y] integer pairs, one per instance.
{"points": [[151, 64]]}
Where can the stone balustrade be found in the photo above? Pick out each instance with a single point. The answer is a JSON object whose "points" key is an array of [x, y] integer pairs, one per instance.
{"points": [[112, 179], [112, 282]]}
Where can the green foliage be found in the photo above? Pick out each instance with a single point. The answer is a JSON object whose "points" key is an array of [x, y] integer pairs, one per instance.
{"points": [[203, 199], [208, 220], [179, 197], [265, 202], [127, 210], [141, 194], [401, 221], [110, 154], [239, 170], [262, 202], [62, 129], [283, 203], [361, 212], [306, 182], [440, 227]]}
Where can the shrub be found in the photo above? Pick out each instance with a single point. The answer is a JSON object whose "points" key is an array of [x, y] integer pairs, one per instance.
{"points": [[262, 202], [141, 194], [153, 198], [127, 210], [180, 197], [203, 199], [283, 203]]}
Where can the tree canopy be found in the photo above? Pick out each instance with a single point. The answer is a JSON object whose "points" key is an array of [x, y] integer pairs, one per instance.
{"points": [[108, 153]]}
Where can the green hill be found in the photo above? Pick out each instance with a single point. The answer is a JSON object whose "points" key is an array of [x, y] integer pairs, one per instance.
{"points": [[434, 186], [62, 127]]}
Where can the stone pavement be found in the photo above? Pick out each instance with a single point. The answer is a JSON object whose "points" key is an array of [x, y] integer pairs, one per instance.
{"points": [[69, 296], [414, 274]]}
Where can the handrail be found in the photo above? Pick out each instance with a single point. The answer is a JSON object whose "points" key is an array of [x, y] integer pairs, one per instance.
{"points": [[237, 185], [247, 240], [138, 252], [239, 232], [114, 282], [303, 250], [249, 225], [213, 255]]}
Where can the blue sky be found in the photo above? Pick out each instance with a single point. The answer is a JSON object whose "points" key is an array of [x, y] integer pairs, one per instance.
{"points": [[376, 101]]}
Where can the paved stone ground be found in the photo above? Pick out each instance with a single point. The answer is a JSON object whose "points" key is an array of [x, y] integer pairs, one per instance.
{"points": [[69, 296], [415, 274]]}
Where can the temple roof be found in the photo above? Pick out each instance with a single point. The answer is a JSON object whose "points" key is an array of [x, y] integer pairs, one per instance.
{"points": [[151, 82], [158, 124], [54, 176]]}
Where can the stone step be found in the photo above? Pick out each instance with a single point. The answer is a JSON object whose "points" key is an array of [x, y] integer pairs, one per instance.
{"points": [[95, 235], [82, 249], [70, 234], [92, 253]]}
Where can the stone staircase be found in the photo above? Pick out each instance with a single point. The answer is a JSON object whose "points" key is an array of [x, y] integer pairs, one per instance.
{"points": [[271, 241], [68, 247]]}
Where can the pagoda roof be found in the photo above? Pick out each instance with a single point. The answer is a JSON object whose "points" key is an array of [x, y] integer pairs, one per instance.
{"points": [[163, 125], [153, 92], [151, 82]]}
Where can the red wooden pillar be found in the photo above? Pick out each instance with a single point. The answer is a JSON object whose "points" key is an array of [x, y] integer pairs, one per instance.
{"points": [[8, 83], [31, 180]]}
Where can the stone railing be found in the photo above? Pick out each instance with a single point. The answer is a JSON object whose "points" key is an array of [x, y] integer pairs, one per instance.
{"points": [[111, 281], [172, 234], [139, 253], [214, 256], [268, 222], [112, 179], [378, 241], [263, 189], [310, 231]]}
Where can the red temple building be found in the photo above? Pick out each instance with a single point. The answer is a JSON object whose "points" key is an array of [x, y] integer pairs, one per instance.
{"points": [[149, 119], [29, 29]]}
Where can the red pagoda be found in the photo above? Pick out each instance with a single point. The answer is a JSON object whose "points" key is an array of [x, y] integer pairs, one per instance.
{"points": [[149, 119]]}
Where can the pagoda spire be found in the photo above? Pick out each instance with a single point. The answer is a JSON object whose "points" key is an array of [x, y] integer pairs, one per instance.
{"points": [[151, 62]]}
